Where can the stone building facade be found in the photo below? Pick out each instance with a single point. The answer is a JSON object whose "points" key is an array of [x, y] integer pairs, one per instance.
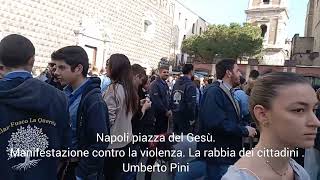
{"points": [[302, 51], [313, 23], [141, 29], [272, 17], [306, 49], [316, 25], [186, 23]]}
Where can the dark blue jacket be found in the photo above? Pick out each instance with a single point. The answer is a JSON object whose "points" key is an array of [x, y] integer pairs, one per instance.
{"points": [[35, 113], [92, 118], [220, 117], [159, 95], [184, 106]]}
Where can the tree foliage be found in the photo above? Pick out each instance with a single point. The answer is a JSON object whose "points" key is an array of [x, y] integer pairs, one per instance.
{"points": [[233, 41]]}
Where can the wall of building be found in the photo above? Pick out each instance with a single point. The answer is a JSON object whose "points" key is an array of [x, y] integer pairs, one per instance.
{"points": [[316, 26], [308, 31], [187, 23], [103, 27], [302, 44]]}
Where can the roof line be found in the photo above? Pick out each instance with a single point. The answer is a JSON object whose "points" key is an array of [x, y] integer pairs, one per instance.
{"points": [[191, 11]]}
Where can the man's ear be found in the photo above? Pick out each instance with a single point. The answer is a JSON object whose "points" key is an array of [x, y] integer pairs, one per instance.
{"points": [[31, 61], [79, 69], [228, 73], [261, 114]]}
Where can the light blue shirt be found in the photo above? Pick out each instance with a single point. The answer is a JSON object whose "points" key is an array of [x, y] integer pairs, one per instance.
{"points": [[74, 98], [243, 100], [235, 173], [105, 82]]}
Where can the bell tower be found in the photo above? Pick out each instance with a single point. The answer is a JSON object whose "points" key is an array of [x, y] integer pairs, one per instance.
{"points": [[272, 17]]}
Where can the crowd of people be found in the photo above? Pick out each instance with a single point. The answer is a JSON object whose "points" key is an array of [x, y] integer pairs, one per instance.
{"points": [[68, 106]]}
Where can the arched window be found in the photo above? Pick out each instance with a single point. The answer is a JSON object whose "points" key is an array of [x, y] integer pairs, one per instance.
{"points": [[147, 25], [266, 1], [264, 29]]}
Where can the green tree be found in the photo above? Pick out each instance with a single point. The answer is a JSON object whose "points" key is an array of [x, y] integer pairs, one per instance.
{"points": [[233, 41]]}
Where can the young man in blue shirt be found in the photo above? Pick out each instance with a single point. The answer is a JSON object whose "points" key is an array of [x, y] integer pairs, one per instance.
{"points": [[88, 111]]}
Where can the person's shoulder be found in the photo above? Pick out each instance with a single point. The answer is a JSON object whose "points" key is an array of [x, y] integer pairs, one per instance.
{"points": [[239, 92], [214, 89], [299, 170], [238, 174], [47, 88]]}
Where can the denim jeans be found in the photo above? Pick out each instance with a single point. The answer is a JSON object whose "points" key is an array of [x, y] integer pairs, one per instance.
{"points": [[312, 163]]}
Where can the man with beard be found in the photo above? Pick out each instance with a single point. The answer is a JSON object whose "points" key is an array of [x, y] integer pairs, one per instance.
{"points": [[220, 117], [159, 94]]}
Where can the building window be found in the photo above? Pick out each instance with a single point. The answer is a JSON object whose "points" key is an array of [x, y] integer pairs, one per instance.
{"points": [[266, 1], [193, 28], [308, 51], [147, 25], [200, 31], [264, 30], [185, 23], [184, 37], [179, 16]]}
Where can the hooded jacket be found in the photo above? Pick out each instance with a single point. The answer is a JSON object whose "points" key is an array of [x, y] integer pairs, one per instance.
{"points": [[33, 114], [92, 119], [183, 102]]}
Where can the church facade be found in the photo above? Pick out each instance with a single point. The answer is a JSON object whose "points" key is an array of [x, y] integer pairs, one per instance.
{"points": [[272, 17]]}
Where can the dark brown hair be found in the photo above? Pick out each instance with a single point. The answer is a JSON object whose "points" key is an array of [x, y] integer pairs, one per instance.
{"points": [[138, 70], [120, 72], [224, 65], [73, 56], [266, 88], [16, 50]]}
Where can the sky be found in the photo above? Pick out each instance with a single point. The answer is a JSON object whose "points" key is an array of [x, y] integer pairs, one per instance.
{"points": [[227, 11]]}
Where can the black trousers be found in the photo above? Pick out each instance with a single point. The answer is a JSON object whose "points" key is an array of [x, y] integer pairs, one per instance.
{"points": [[113, 166], [181, 123], [161, 125], [68, 171]]}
